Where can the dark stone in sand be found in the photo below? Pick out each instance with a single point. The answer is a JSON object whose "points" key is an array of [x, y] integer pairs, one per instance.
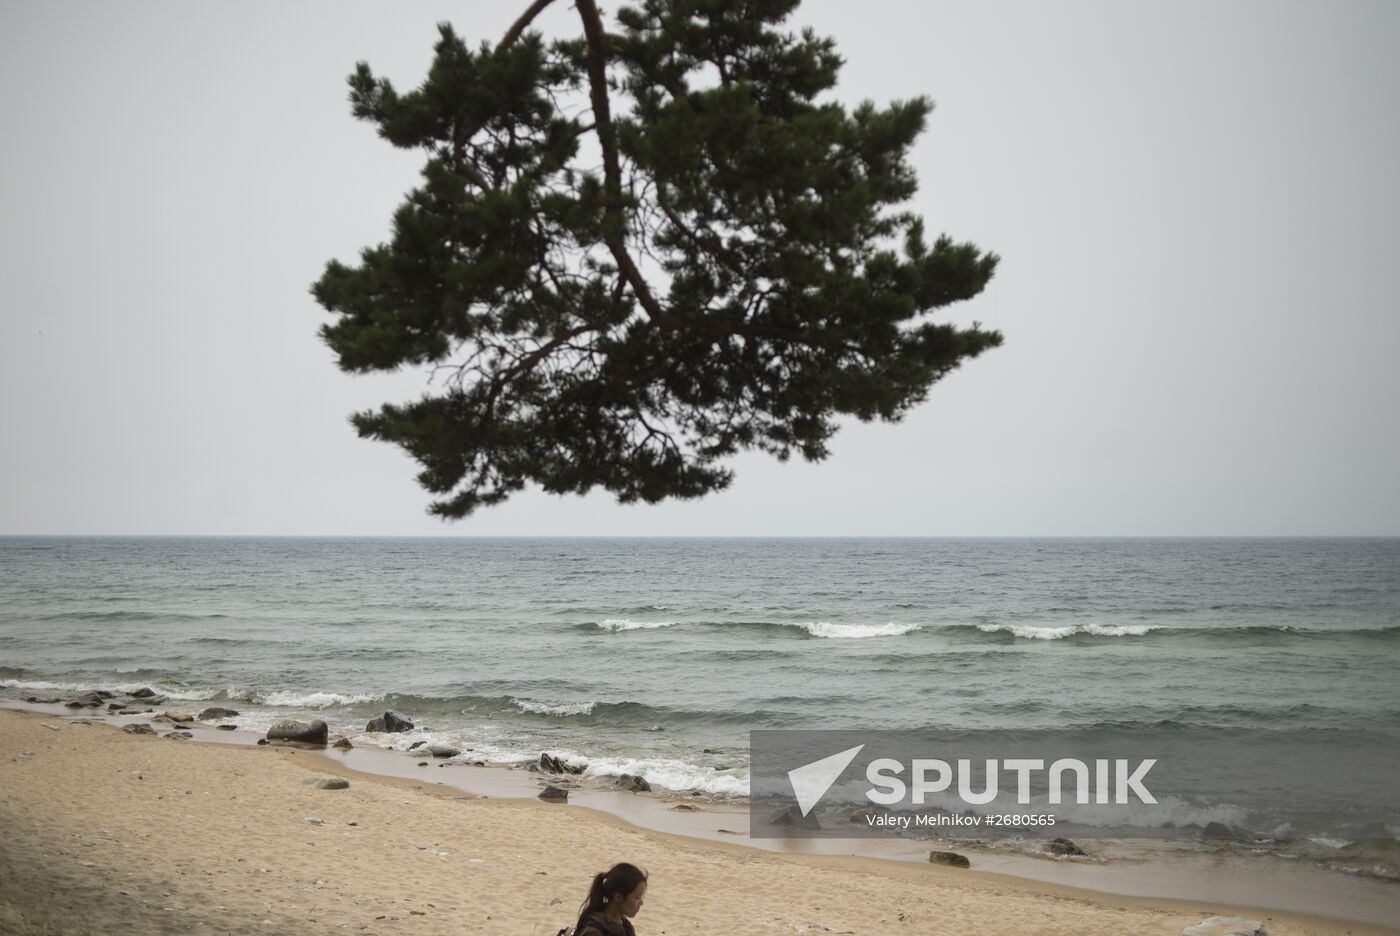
{"points": [[225, 727], [554, 794], [1064, 846], [390, 721], [216, 712], [178, 735], [634, 783], [422, 763], [343, 743], [315, 732], [138, 729], [332, 783], [443, 750], [951, 859], [1219, 831], [262, 740], [792, 818], [142, 693]]}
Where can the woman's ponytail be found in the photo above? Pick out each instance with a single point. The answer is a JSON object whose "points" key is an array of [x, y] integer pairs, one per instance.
{"points": [[594, 901], [616, 882]]}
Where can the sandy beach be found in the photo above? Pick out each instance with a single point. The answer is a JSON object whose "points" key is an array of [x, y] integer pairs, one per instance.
{"points": [[111, 832]]}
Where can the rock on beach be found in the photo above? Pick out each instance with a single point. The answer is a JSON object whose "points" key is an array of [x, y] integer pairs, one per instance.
{"points": [[951, 859], [1065, 847], [390, 721], [216, 712], [792, 818], [315, 732]]}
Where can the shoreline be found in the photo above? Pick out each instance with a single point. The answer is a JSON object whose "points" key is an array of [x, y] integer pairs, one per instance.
{"points": [[512, 791]]}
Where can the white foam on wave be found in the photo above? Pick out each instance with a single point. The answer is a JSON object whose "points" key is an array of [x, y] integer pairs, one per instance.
{"points": [[855, 631], [290, 698], [183, 693], [623, 624], [1035, 632], [554, 708], [668, 774], [1329, 842]]}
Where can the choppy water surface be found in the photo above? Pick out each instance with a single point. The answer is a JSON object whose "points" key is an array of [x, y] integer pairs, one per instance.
{"points": [[658, 656]]}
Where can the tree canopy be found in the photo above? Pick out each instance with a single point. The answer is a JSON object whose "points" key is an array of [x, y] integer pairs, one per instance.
{"points": [[640, 250]]}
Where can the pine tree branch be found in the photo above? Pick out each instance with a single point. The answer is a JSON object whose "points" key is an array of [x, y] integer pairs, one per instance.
{"points": [[520, 25], [613, 228]]}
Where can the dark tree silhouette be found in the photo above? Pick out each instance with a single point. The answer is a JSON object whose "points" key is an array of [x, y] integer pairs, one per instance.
{"points": [[638, 251]]}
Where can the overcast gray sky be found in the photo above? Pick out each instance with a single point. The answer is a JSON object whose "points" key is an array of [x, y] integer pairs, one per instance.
{"points": [[1196, 203]]}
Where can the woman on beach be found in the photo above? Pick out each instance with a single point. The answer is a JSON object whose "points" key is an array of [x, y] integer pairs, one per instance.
{"points": [[615, 897]]}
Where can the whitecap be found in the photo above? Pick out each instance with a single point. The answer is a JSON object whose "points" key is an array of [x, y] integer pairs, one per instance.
{"points": [[670, 774], [623, 624], [554, 708], [1034, 632], [295, 699], [856, 631]]}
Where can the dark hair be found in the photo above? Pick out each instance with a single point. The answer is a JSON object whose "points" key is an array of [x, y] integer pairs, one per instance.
{"points": [[618, 881]]}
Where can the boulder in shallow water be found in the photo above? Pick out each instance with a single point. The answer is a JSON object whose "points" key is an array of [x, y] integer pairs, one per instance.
{"points": [[178, 717], [633, 783], [557, 765], [142, 693], [87, 700], [342, 744], [225, 727], [1064, 847], [390, 721], [443, 750], [216, 712], [1226, 926], [554, 794], [792, 818], [951, 859], [1218, 831], [315, 732]]}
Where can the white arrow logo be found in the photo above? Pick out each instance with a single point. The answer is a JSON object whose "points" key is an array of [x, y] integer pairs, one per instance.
{"points": [[811, 781]]}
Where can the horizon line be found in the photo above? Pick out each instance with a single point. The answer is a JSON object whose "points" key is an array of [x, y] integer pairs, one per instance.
{"points": [[712, 536]]}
